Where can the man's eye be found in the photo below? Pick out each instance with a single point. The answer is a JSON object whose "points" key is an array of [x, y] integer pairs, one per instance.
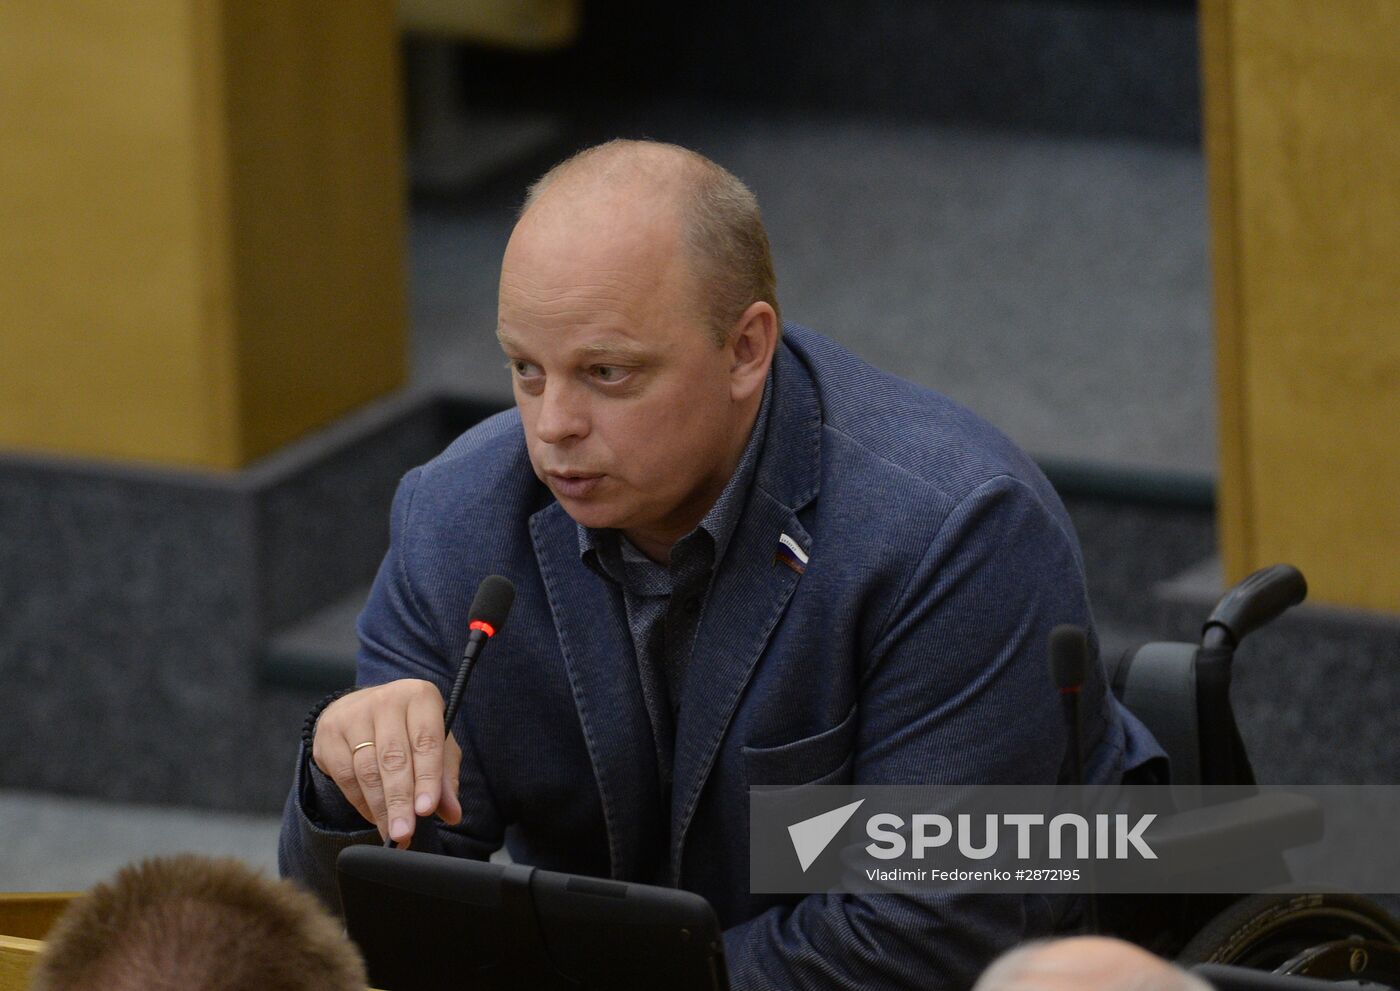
{"points": [[608, 373], [523, 368]]}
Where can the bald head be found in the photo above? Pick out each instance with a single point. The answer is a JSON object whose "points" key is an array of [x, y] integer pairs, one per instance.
{"points": [[633, 168], [667, 192], [1085, 963]]}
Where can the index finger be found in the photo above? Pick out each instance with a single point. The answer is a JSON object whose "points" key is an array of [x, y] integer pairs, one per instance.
{"points": [[425, 737]]}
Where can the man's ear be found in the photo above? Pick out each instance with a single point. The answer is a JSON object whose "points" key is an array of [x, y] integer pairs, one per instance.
{"points": [[752, 341]]}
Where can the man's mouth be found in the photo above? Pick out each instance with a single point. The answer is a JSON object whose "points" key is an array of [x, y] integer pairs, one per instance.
{"points": [[572, 484]]}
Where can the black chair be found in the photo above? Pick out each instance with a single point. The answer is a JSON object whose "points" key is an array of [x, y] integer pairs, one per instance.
{"points": [[1181, 691]]}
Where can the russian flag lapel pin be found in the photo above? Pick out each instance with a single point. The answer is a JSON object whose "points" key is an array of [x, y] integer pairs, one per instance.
{"points": [[790, 554]]}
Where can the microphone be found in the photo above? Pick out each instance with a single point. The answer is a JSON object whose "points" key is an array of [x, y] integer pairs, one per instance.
{"points": [[1069, 666], [494, 597]]}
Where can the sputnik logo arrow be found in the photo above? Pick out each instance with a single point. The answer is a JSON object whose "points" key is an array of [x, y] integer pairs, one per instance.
{"points": [[811, 836]]}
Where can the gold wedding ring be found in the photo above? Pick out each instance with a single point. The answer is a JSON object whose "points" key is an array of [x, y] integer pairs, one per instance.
{"points": [[360, 746]]}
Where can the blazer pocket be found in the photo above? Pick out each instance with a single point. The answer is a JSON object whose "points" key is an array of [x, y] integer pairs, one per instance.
{"points": [[825, 758]]}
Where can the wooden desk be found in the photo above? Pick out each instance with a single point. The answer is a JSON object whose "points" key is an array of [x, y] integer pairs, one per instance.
{"points": [[25, 918]]}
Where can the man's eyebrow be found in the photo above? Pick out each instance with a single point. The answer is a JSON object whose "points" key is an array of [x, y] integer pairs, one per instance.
{"points": [[617, 350], [613, 349]]}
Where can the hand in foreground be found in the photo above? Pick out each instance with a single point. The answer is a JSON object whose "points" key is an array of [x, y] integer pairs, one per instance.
{"points": [[384, 749]]}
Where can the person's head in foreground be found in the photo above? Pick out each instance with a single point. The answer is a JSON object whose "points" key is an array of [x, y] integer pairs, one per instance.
{"points": [[1085, 963], [197, 924]]}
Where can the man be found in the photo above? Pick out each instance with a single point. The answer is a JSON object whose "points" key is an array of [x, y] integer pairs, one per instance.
{"points": [[1085, 963], [189, 923], [742, 557]]}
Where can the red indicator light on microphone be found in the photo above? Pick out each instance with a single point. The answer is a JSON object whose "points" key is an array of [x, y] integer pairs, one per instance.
{"points": [[483, 626]]}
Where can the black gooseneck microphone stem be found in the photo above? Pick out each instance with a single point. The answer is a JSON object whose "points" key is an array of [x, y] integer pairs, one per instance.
{"points": [[1069, 698], [1069, 667], [470, 653]]}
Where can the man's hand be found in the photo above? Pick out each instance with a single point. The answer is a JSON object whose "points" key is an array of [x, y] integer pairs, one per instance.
{"points": [[406, 767]]}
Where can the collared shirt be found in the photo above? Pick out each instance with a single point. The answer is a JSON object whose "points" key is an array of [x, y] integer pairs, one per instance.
{"points": [[664, 602]]}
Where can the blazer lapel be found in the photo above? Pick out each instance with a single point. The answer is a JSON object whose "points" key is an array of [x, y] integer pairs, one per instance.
{"points": [[602, 669], [751, 589]]}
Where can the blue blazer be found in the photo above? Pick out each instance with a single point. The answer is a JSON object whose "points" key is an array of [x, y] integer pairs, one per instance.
{"points": [[911, 649]]}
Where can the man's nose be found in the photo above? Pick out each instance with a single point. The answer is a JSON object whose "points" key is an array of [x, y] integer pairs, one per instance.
{"points": [[562, 414]]}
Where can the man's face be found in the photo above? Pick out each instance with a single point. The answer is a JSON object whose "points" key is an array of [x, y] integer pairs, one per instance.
{"points": [[624, 396]]}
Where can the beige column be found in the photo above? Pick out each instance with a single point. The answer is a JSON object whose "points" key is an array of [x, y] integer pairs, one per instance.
{"points": [[1303, 152], [201, 224]]}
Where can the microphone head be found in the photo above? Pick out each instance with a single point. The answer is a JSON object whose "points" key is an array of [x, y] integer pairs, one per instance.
{"points": [[494, 597], [1069, 657]]}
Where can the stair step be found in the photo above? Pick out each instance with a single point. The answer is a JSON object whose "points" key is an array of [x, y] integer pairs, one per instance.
{"points": [[318, 652]]}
